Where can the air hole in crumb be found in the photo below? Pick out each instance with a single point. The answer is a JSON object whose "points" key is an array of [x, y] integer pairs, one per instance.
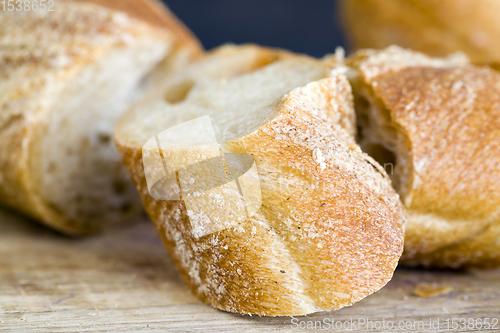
{"points": [[126, 208], [383, 156], [179, 92], [119, 187], [104, 138], [85, 143], [52, 167]]}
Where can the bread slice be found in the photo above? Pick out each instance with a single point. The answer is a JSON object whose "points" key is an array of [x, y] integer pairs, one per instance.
{"points": [[294, 218], [438, 121], [66, 77], [435, 27]]}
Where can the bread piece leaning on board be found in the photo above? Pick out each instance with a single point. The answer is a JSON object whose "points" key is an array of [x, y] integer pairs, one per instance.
{"points": [[438, 121], [323, 227], [65, 78]]}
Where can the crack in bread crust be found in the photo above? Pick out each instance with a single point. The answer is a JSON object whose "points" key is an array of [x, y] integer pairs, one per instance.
{"points": [[449, 113]]}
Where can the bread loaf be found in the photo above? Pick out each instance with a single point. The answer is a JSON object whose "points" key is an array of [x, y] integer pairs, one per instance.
{"points": [[438, 121], [65, 77], [435, 27], [295, 218]]}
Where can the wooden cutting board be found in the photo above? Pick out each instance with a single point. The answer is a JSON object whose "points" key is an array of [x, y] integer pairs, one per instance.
{"points": [[124, 281]]}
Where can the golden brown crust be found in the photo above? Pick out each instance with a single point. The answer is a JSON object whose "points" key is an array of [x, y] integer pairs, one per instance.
{"points": [[436, 27], [155, 13], [326, 236], [43, 51], [450, 116]]}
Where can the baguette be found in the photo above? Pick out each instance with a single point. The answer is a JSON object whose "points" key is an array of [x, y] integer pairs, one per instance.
{"points": [[323, 226], [438, 121], [435, 27], [66, 77]]}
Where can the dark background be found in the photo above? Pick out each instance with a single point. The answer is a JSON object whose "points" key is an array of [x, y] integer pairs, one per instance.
{"points": [[305, 26]]}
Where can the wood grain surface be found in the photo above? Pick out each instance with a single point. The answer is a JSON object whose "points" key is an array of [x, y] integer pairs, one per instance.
{"points": [[124, 281]]}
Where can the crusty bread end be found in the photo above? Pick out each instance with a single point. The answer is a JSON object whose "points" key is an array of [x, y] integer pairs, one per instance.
{"points": [[330, 228], [437, 121], [66, 77]]}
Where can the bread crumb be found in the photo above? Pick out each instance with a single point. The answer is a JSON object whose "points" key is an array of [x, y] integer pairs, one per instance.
{"points": [[431, 290]]}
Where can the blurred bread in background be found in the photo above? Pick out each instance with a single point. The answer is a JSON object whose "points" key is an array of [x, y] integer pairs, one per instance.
{"points": [[435, 123], [66, 76], [435, 27]]}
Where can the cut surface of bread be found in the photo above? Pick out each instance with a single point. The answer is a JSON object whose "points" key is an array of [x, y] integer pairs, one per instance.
{"points": [[327, 227], [65, 78], [437, 120], [436, 27]]}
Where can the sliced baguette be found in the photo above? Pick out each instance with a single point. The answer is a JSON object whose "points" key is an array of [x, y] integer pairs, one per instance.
{"points": [[329, 230], [66, 77], [438, 120]]}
